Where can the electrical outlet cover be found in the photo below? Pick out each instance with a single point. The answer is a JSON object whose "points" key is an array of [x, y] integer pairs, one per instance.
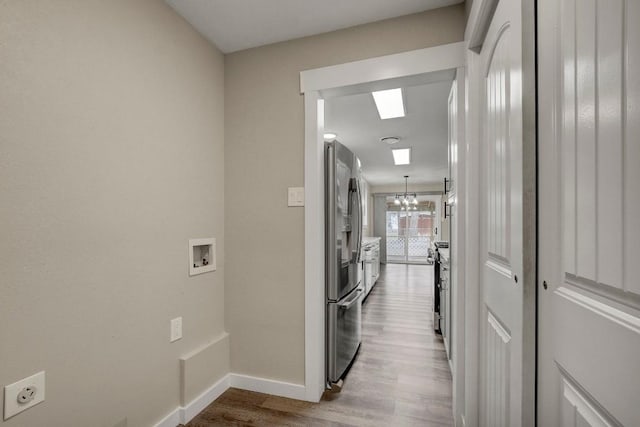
{"points": [[12, 406]]}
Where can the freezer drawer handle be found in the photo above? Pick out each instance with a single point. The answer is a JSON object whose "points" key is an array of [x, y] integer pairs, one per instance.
{"points": [[348, 305]]}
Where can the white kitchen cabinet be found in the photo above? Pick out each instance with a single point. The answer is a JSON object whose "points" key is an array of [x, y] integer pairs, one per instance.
{"points": [[371, 257]]}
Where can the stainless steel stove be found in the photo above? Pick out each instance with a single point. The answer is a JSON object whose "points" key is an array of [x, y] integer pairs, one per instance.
{"points": [[437, 285]]}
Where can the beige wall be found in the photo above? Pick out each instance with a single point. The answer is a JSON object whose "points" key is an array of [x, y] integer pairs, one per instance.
{"points": [[467, 5], [111, 158], [264, 139]]}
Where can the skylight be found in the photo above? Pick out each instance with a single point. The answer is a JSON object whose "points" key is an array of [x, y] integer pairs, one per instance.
{"points": [[389, 103], [401, 156]]}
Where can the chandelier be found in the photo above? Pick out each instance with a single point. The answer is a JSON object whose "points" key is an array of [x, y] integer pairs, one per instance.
{"points": [[406, 201]]}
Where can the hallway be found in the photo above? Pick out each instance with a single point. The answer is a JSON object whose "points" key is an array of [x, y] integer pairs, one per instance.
{"points": [[401, 376]]}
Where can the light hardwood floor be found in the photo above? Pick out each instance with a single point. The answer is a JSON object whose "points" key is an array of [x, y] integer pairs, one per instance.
{"points": [[401, 375]]}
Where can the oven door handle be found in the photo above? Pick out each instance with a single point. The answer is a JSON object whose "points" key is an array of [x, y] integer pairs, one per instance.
{"points": [[350, 303]]}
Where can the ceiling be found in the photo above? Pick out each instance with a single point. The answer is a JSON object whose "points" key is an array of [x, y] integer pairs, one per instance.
{"points": [[234, 25], [424, 128], [351, 113]]}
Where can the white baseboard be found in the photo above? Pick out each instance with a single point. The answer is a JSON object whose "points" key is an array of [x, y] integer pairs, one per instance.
{"points": [[184, 414], [263, 385], [199, 403], [171, 420]]}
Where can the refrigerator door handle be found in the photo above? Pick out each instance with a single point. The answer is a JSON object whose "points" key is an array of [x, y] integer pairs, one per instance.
{"points": [[347, 305], [331, 267], [360, 215], [354, 192]]}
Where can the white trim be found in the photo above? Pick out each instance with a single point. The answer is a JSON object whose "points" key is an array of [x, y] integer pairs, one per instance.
{"points": [[205, 399], [478, 22], [171, 420], [458, 255], [263, 385], [607, 311], [582, 404], [407, 64], [472, 223], [499, 267], [498, 327], [184, 414], [421, 61], [314, 306]]}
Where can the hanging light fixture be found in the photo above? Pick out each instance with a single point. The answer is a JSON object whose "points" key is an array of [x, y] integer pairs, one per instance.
{"points": [[406, 199]]}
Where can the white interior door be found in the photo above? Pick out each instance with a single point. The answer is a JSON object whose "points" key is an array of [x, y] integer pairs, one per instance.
{"points": [[589, 127], [502, 378]]}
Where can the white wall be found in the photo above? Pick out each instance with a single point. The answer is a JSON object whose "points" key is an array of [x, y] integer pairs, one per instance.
{"points": [[111, 158]]}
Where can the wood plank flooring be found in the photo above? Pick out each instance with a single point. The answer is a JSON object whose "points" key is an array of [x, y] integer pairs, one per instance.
{"points": [[401, 376]]}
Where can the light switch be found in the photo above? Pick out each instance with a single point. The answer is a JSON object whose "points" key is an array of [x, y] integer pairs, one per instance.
{"points": [[296, 196], [176, 329]]}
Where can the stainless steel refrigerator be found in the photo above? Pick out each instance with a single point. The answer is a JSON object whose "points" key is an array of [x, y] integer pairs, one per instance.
{"points": [[343, 204]]}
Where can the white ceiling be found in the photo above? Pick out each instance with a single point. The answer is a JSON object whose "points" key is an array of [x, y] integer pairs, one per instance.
{"points": [[234, 25], [424, 128]]}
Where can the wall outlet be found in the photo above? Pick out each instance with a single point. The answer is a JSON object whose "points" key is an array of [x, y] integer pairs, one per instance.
{"points": [[295, 196], [176, 329], [23, 394], [27, 394]]}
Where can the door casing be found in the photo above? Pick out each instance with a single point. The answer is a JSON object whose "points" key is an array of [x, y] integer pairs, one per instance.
{"points": [[314, 84]]}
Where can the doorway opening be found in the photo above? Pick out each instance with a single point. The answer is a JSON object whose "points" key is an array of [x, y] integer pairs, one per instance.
{"points": [[410, 234], [398, 309], [430, 64]]}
